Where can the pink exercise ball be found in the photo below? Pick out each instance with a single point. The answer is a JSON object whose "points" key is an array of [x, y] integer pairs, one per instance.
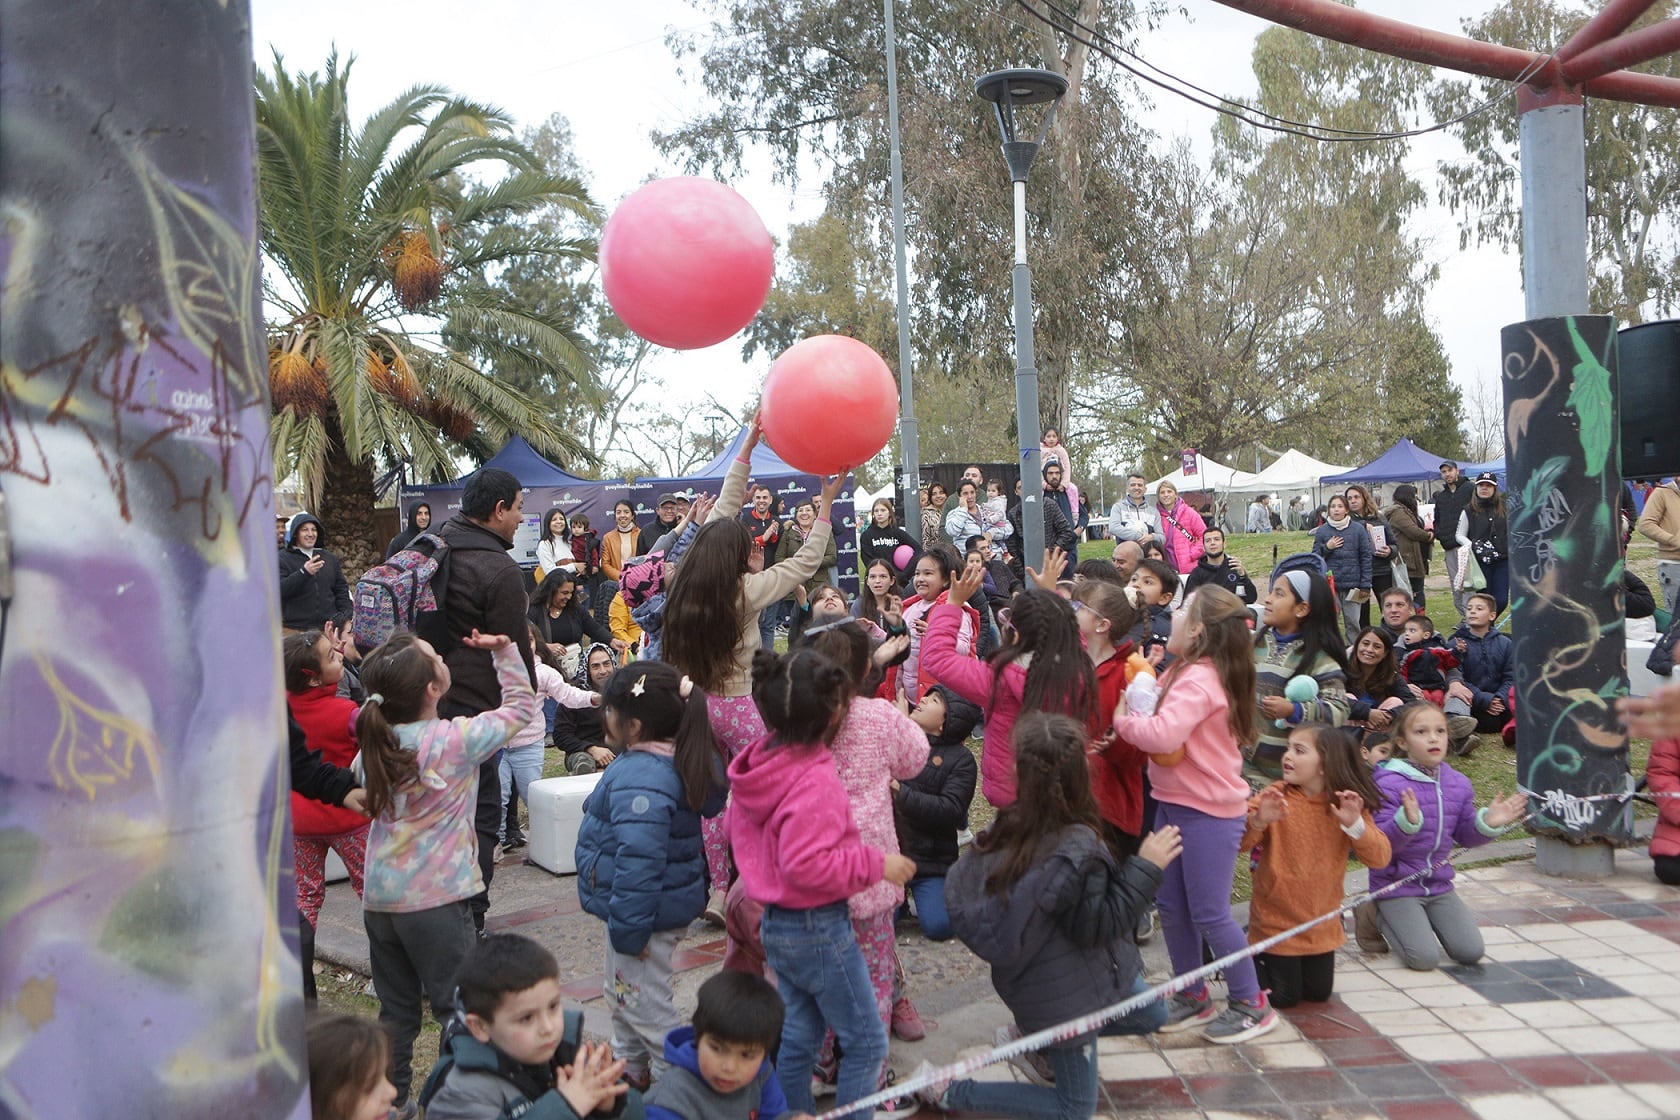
{"points": [[830, 403], [686, 262], [902, 555]]}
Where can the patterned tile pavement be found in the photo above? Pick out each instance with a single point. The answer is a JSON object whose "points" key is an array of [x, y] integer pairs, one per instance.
{"points": [[1573, 1015]]}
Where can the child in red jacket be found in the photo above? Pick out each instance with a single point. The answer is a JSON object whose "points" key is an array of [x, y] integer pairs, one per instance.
{"points": [[314, 664], [1663, 774]]}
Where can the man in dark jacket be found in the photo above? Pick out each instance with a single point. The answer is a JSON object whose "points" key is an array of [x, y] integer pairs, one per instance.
{"points": [[484, 591], [1058, 533], [1450, 501], [1221, 569], [312, 587]]}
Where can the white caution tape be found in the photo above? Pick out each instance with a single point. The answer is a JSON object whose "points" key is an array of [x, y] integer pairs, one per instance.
{"points": [[1089, 1022]]}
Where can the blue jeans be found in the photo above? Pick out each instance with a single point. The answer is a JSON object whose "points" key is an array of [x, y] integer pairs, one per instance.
{"points": [[1073, 1098], [519, 767], [1147, 1019], [823, 981], [929, 893]]}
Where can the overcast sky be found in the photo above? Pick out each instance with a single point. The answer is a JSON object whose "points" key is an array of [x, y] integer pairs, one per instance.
{"points": [[606, 67]]}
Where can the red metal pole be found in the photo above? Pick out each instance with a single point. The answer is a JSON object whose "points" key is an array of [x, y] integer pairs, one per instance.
{"points": [[1617, 17], [1627, 50], [1454, 52]]}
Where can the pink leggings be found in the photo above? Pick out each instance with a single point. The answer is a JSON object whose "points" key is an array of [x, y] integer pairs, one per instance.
{"points": [[735, 723], [310, 856]]}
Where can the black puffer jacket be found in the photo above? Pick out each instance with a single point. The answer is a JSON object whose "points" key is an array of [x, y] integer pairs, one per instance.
{"points": [[1060, 941], [930, 808], [307, 601], [486, 592]]}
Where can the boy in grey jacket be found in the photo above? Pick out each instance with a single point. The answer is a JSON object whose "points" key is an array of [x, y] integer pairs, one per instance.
{"points": [[512, 1051]]}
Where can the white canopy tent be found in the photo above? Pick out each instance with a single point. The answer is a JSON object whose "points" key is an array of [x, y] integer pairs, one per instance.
{"points": [[1293, 470], [1211, 476]]}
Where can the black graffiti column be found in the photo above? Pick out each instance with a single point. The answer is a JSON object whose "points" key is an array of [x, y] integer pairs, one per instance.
{"points": [[1564, 482]]}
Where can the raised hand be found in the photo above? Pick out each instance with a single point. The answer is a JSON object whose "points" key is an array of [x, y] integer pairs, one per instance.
{"points": [[1409, 806], [1348, 807], [1270, 808], [888, 651], [491, 642], [1506, 810], [1162, 846], [1054, 560], [966, 586], [592, 1079], [831, 490]]}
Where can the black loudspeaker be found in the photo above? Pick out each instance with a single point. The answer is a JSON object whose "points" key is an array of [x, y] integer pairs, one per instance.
{"points": [[1649, 358]]}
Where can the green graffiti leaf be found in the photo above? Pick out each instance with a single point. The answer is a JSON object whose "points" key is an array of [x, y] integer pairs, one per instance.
{"points": [[1589, 396], [1540, 483]]}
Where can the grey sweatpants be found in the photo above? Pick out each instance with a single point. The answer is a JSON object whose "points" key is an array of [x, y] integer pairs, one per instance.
{"points": [[643, 1011], [1419, 928]]}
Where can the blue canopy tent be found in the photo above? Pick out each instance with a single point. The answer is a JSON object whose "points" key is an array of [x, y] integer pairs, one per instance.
{"points": [[1404, 462], [546, 485]]}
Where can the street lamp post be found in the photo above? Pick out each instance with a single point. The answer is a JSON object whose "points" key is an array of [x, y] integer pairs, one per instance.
{"points": [[1006, 90]]}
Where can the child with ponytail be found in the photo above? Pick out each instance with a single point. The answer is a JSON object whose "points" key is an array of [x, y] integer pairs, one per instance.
{"points": [[640, 860], [1106, 611], [421, 777], [1195, 734], [801, 856]]}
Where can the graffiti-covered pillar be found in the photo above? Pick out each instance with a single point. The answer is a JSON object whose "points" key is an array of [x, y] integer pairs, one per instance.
{"points": [[1561, 438], [145, 968]]}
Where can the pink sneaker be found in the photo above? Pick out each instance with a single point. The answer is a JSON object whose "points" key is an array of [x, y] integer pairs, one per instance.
{"points": [[906, 1024]]}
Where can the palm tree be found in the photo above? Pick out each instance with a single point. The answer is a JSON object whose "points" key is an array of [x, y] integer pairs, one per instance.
{"points": [[383, 330]]}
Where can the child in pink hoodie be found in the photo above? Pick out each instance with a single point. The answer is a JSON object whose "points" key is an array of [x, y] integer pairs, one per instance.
{"points": [[800, 855], [1194, 737]]}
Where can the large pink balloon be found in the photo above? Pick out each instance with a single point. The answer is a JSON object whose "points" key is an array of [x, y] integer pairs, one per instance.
{"points": [[830, 403], [686, 262]]}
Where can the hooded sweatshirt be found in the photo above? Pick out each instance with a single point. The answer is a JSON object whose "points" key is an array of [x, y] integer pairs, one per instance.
{"points": [[308, 601], [791, 828], [682, 1094], [933, 806], [578, 729], [974, 681], [410, 531]]}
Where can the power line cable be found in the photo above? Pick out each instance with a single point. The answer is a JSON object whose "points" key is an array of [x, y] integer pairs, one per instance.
{"points": [[1272, 122]]}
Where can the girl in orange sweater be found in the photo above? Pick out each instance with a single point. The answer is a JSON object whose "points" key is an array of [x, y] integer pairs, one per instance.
{"points": [[1301, 831]]}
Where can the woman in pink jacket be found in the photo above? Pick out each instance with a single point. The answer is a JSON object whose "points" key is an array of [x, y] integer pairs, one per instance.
{"points": [[1181, 529]]}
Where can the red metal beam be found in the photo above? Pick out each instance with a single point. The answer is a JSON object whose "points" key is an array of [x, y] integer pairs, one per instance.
{"points": [[1627, 50], [1331, 20], [1617, 17]]}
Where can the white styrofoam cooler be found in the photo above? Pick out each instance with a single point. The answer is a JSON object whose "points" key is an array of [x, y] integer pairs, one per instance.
{"points": [[556, 812], [1641, 680]]}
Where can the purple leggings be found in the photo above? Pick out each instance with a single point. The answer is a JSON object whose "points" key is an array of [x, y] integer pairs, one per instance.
{"points": [[1195, 896]]}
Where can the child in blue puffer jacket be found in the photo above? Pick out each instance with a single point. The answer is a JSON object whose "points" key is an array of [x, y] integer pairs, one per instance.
{"points": [[1428, 807], [640, 862]]}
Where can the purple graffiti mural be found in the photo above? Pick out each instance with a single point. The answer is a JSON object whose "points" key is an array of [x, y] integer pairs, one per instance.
{"points": [[146, 966]]}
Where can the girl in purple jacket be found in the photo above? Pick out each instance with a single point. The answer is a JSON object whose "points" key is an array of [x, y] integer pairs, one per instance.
{"points": [[1428, 808]]}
